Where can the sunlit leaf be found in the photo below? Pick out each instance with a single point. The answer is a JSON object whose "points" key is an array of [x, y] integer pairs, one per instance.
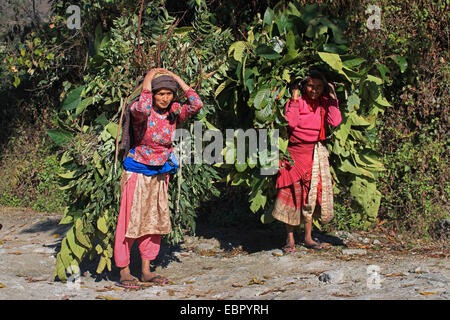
{"points": [[334, 61]]}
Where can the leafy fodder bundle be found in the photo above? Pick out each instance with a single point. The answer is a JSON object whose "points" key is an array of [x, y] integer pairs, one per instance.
{"points": [[280, 47], [89, 123]]}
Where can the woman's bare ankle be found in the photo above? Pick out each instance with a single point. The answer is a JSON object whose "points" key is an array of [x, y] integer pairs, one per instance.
{"points": [[125, 274]]}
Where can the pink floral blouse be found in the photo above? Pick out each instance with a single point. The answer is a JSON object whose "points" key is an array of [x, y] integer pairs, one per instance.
{"points": [[153, 131]]}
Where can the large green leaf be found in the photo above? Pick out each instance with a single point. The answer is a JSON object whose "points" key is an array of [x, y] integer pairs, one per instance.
{"points": [[237, 49], [65, 254], [83, 105], [16, 81], [346, 166], [384, 71], [334, 48], [261, 98], [221, 87], [282, 23], [357, 120], [240, 167], [382, 101], [73, 99], [68, 174], [283, 144], [112, 129], [101, 264], [264, 114], [290, 41], [269, 16], [368, 162], [59, 136], [353, 102], [101, 225], [367, 196], [76, 249], [374, 161], [104, 43], [60, 269], [267, 52], [289, 57], [80, 234], [342, 132], [334, 61], [372, 78], [401, 62], [258, 201], [353, 62], [292, 10], [67, 217], [338, 149]]}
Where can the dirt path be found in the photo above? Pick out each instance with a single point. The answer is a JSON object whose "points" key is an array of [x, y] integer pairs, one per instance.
{"points": [[227, 264]]}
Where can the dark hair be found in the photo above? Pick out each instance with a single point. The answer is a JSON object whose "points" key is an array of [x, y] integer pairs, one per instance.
{"points": [[313, 74], [173, 115]]}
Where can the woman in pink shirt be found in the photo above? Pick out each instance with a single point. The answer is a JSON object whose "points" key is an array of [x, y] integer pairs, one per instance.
{"points": [[144, 210], [305, 188]]}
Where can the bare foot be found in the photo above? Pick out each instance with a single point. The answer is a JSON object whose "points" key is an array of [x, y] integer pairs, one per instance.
{"points": [[311, 242], [290, 241], [147, 276], [314, 245], [125, 275], [154, 279]]}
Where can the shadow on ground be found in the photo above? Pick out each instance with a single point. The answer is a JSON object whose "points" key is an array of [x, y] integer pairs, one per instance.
{"points": [[251, 237], [49, 225], [259, 237]]}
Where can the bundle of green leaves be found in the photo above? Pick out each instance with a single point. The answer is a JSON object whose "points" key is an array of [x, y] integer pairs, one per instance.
{"points": [[282, 46], [89, 121]]}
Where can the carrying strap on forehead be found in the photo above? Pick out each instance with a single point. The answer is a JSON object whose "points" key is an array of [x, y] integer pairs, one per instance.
{"points": [[164, 81]]}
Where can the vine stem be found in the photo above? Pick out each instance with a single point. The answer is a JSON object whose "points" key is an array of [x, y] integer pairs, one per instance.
{"points": [[180, 174], [139, 34], [123, 105]]}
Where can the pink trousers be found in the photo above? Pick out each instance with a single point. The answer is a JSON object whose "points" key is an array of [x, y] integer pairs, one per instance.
{"points": [[148, 244]]}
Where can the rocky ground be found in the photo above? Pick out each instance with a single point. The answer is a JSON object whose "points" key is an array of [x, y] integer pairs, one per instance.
{"points": [[230, 264]]}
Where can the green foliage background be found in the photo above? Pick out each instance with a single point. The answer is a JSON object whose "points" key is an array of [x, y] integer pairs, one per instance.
{"points": [[284, 44], [63, 90]]}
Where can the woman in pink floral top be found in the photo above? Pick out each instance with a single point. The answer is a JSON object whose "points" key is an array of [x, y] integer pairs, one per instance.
{"points": [[152, 130], [144, 211]]}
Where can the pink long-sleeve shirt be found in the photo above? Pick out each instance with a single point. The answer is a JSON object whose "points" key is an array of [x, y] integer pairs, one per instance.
{"points": [[153, 131], [304, 117]]}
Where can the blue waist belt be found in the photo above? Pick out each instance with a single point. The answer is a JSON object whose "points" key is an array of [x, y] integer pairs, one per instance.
{"points": [[170, 166]]}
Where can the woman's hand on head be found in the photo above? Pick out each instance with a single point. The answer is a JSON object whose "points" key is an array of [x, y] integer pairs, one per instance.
{"points": [[173, 75], [331, 91], [147, 84], [295, 93], [180, 81]]}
